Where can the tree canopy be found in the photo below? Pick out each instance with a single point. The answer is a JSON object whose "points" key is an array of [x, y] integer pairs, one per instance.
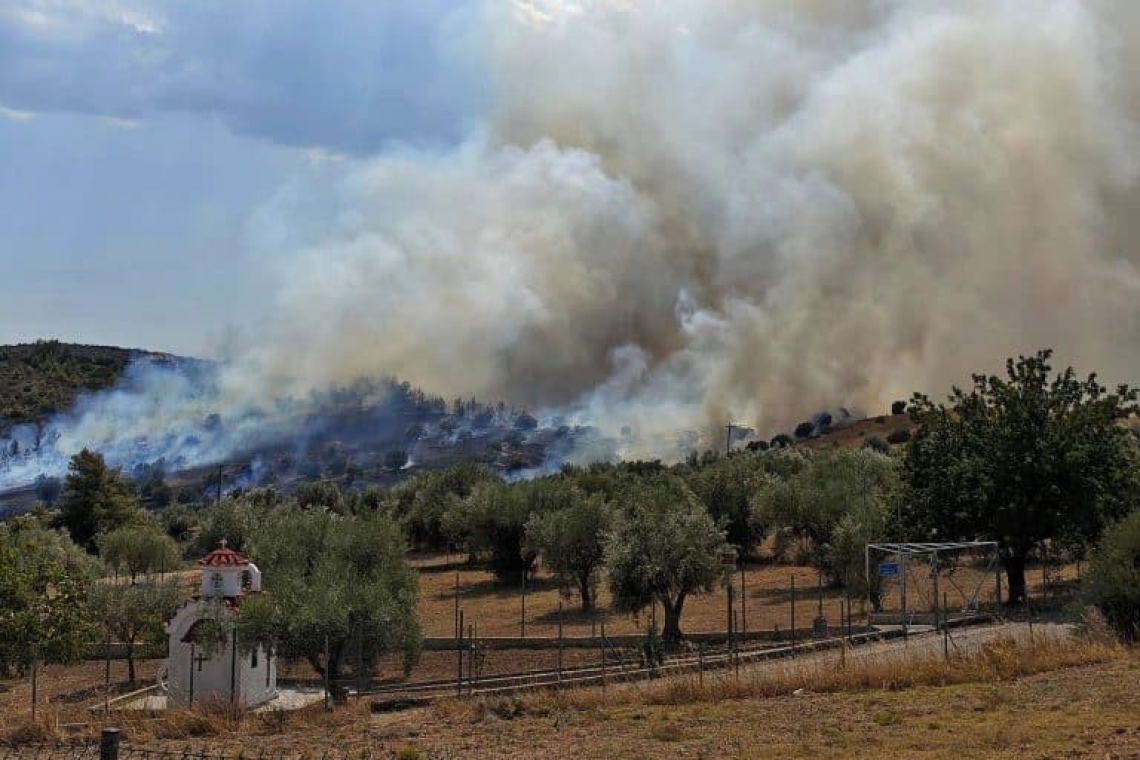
{"points": [[1020, 459], [335, 579], [664, 547], [838, 502], [43, 605], [133, 613], [95, 499], [571, 541]]}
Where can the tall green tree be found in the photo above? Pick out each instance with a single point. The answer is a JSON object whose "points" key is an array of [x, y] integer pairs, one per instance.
{"points": [[335, 581], [43, 605], [95, 499], [1020, 459], [133, 613], [571, 541], [664, 547]]}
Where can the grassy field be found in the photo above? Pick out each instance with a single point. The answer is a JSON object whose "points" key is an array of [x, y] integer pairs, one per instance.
{"points": [[1041, 700], [994, 703]]}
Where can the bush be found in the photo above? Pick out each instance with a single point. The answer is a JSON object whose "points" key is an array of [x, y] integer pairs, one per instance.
{"points": [[782, 440], [899, 436], [1113, 584], [898, 407], [804, 430], [875, 443]]}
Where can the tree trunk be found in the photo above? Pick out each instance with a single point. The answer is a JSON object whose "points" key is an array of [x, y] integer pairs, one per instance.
{"points": [[131, 662], [585, 588], [1015, 574], [672, 631]]}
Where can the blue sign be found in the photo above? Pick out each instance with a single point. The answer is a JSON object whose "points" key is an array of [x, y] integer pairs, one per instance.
{"points": [[888, 569]]}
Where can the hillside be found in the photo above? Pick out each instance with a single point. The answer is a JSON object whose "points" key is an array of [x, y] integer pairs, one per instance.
{"points": [[43, 378]]}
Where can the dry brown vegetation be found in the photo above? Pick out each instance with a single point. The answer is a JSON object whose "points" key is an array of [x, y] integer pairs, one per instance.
{"points": [[856, 711], [1038, 700]]}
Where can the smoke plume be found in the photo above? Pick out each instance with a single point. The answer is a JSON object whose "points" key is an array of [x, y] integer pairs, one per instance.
{"points": [[683, 213]]}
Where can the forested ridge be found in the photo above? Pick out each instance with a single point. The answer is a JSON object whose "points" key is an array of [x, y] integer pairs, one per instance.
{"points": [[43, 378]]}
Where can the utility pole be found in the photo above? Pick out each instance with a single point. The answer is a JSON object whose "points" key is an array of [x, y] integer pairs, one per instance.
{"points": [[219, 499], [728, 437]]}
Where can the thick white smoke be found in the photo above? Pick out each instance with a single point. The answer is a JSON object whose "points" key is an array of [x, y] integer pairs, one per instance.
{"points": [[685, 212]]}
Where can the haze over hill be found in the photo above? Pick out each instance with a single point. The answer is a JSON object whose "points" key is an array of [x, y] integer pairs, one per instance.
{"points": [[674, 215], [372, 431]]}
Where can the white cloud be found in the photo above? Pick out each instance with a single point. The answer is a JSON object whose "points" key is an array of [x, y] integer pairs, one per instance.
{"points": [[350, 75]]}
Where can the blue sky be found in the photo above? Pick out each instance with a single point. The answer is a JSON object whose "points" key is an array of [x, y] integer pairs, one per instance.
{"points": [[139, 138]]}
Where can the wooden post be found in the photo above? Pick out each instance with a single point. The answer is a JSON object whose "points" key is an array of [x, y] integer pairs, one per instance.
{"points": [[109, 744], [233, 663], [471, 659], [35, 685], [326, 674], [459, 652], [107, 674], [359, 662], [602, 647], [559, 642], [743, 602], [793, 611]]}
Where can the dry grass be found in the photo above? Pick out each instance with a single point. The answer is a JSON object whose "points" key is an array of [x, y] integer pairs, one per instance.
{"points": [[846, 671], [1040, 699]]}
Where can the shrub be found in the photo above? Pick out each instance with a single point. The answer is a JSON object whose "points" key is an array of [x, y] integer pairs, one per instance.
{"points": [[757, 446], [782, 440], [901, 435], [875, 443], [1113, 585], [898, 407], [804, 430]]}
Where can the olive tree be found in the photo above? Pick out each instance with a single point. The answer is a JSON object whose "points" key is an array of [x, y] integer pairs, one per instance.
{"points": [[664, 547], [133, 613], [839, 502], [335, 586], [571, 541]]}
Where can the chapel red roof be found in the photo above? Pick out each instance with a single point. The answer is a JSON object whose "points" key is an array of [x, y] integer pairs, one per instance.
{"points": [[223, 557]]}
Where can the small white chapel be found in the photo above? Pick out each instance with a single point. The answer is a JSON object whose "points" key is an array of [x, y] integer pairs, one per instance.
{"points": [[204, 662]]}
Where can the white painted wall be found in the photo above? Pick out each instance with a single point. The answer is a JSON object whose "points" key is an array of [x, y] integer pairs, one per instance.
{"points": [[214, 677], [227, 581]]}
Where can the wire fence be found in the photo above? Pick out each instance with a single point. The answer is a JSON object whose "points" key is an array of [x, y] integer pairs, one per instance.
{"points": [[111, 748]]}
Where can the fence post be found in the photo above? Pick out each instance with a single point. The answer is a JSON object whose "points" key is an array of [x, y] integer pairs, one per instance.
{"points": [[793, 611], [233, 663], [109, 744], [459, 652], [326, 674], [35, 685], [602, 646], [471, 660], [743, 602]]}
